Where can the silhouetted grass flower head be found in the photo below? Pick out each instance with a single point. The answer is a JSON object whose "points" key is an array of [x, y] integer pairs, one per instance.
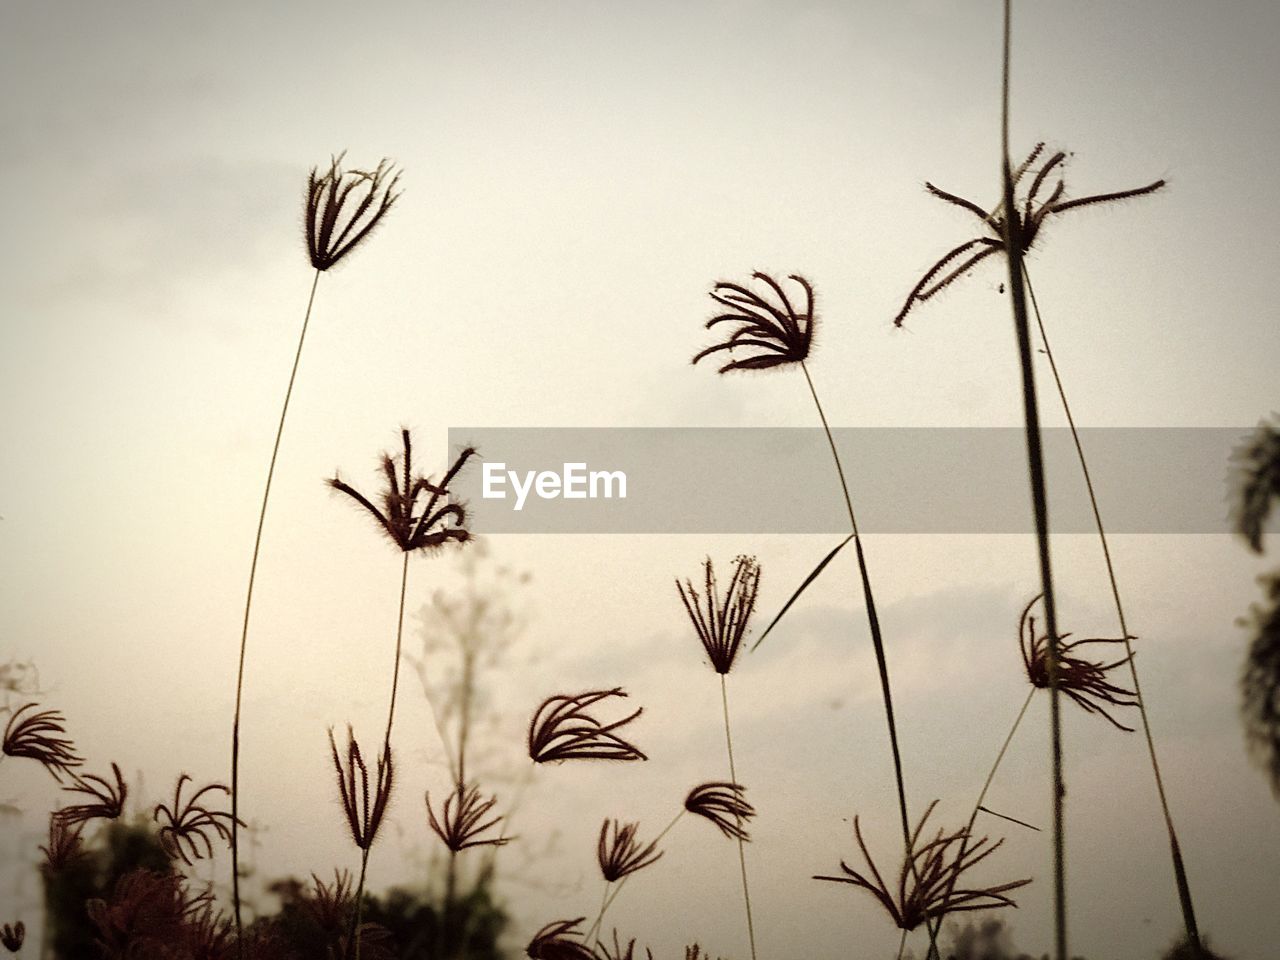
{"points": [[462, 822], [721, 623], [40, 736], [561, 729], [417, 513], [106, 800], [344, 206], [1084, 681], [1044, 195], [724, 804], [12, 937], [620, 853], [771, 329], [619, 950], [187, 825], [559, 940], [64, 846], [928, 885], [364, 810]]}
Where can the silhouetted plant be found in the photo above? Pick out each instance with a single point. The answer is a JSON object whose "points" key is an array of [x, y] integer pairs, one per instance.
{"points": [[144, 916], [926, 885], [721, 625], [618, 951], [1084, 681], [1040, 202], [561, 729], [462, 824], [64, 844], [724, 804], [559, 940], [787, 335], [13, 936], [342, 207], [42, 737], [107, 799], [620, 853], [782, 333], [364, 811], [185, 832]]}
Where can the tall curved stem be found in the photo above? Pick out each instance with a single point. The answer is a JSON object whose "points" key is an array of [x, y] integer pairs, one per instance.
{"points": [[244, 632], [742, 855], [1179, 869]]}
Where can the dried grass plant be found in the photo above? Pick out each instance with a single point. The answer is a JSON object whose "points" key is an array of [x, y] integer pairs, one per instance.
{"points": [[342, 208]]}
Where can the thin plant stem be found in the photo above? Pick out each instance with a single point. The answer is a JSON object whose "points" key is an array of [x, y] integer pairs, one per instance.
{"points": [[1179, 870], [395, 670], [733, 778], [244, 632], [902, 944], [604, 905], [357, 916], [873, 620], [1039, 497], [935, 926]]}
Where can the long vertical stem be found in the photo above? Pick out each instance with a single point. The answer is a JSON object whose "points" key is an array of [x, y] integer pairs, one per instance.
{"points": [[873, 621], [733, 778], [357, 915], [244, 632], [395, 670], [1039, 496], [1179, 870]]}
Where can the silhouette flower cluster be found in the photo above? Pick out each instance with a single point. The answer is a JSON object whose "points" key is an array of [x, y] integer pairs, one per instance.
{"points": [[1084, 681], [561, 729], [620, 853], [776, 331], [724, 805], [343, 207], [927, 887], [42, 737], [559, 940], [1040, 202], [364, 812], [721, 624], [461, 825], [186, 830], [12, 937], [107, 799], [411, 525]]}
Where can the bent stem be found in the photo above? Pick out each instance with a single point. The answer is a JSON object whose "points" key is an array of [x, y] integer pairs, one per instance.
{"points": [[1039, 497], [733, 778], [873, 621], [1179, 870], [244, 632], [935, 926], [605, 900], [610, 897]]}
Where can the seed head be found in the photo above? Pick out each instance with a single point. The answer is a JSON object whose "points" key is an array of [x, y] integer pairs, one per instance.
{"points": [[927, 884], [364, 813], [724, 805], [12, 937], [1082, 680], [460, 824], [561, 729], [777, 331], [620, 853], [343, 207], [185, 833], [721, 624], [41, 737], [559, 940], [412, 525], [107, 799]]}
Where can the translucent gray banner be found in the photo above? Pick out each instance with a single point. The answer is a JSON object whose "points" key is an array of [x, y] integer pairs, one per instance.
{"points": [[902, 480]]}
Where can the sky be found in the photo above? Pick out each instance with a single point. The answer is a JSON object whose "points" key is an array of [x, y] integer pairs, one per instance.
{"points": [[576, 176]]}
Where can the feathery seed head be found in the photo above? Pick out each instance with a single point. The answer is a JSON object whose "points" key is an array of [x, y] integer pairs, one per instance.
{"points": [[721, 624], [364, 812], [343, 207], [619, 852], [724, 804], [559, 940], [460, 825], [41, 737], [770, 325], [561, 729]]}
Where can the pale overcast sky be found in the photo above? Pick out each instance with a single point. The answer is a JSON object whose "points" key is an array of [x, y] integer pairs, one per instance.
{"points": [[576, 175]]}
